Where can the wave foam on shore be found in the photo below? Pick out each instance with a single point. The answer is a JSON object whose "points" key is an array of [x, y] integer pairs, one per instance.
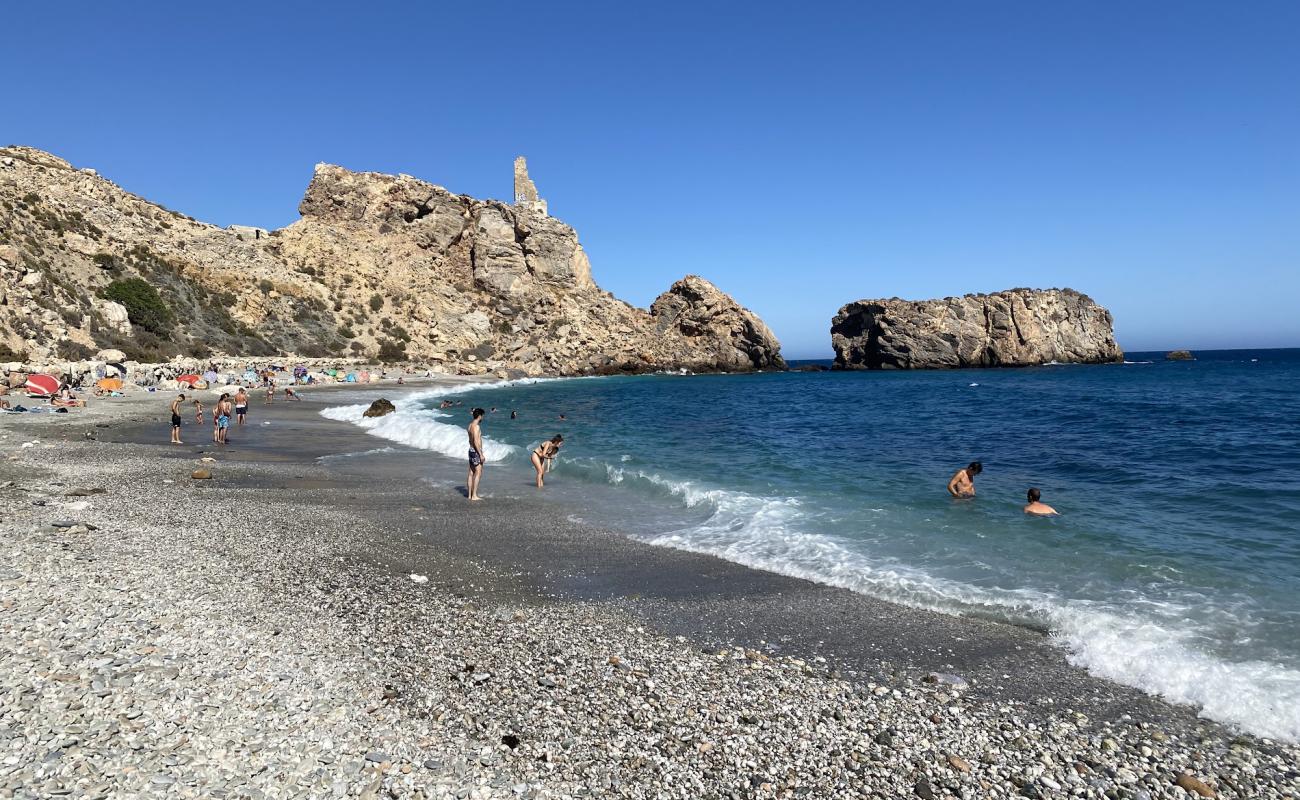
{"points": [[778, 534], [771, 533]]}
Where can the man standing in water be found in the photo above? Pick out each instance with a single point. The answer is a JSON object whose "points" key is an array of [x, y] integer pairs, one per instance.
{"points": [[476, 459], [1036, 505], [962, 484]]}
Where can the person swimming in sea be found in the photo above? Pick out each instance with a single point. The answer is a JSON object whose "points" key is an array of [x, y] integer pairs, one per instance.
{"points": [[1037, 507], [544, 456], [962, 484]]}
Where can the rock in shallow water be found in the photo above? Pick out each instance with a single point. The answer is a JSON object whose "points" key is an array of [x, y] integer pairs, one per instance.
{"points": [[379, 408]]}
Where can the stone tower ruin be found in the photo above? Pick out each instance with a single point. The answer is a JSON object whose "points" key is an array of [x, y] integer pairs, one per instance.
{"points": [[526, 190]]}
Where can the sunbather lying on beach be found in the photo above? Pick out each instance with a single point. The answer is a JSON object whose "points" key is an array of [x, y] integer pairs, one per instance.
{"points": [[66, 399]]}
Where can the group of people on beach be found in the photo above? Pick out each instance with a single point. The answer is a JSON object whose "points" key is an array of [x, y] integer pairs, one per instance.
{"points": [[962, 486], [542, 457], [227, 406]]}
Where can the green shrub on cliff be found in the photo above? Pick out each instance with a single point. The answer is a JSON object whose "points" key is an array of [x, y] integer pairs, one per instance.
{"points": [[143, 305], [392, 351]]}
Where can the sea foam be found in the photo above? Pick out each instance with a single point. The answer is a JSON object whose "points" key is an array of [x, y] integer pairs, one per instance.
{"points": [[771, 533], [779, 534]]}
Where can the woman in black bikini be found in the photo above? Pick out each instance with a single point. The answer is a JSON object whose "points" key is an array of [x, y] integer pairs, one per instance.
{"points": [[544, 455]]}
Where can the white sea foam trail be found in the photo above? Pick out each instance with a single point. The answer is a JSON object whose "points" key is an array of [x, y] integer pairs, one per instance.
{"points": [[414, 425], [418, 427], [1110, 642]]}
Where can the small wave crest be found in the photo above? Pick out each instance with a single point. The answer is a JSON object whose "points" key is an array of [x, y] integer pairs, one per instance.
{"points": [[773, 533], [418, 427], [415, 425], [360, 453]]}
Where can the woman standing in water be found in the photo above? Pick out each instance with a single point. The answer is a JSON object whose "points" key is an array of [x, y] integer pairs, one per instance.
{"points": [[544, 455]]}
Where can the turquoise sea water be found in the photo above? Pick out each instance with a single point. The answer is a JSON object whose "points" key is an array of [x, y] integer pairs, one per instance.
{"points": [[1174, 566]]}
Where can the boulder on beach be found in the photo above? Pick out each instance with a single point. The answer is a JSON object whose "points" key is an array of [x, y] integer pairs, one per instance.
{"points": [[1180, 355], [201, 474], [379, 408]]}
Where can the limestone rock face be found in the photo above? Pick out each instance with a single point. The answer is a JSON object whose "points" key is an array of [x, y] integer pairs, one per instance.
{"points": [[696, 309], [114, 314], [1017, 327], [377, 266]]}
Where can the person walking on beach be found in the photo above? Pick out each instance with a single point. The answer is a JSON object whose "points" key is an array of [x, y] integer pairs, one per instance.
{"points": [[962, 484], [241, 405], [544, 456], [270, 390], [222, 413], [226, 411], [1037, 507], [476, 459], [176, 419], [198, 411]]}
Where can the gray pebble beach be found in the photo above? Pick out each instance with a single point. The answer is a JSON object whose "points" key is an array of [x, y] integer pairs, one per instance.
{"points": [[286, 629]]}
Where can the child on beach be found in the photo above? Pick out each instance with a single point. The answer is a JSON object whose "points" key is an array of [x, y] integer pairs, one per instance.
{"points": [[198, 411], [544, 456]]}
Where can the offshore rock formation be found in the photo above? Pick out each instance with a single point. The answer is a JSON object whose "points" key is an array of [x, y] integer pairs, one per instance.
{"points": [[1017, 327], [378, 266]]}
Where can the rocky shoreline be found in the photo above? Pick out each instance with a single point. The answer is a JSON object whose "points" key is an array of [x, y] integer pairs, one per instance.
{"points": [[259, 635]]}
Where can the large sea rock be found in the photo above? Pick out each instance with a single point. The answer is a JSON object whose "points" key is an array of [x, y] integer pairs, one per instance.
{"points": [[1013, 328], [377, 266]]}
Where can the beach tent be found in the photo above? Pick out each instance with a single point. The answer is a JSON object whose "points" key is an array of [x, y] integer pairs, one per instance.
{"points": [[110, 384], [352, 377], [41, 385]]}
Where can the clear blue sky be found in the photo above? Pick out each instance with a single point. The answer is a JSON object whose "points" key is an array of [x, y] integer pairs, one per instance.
{"points": [[800, 155]]}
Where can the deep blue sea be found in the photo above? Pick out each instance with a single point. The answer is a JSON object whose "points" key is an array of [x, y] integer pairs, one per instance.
{"points": [[1174, 565]]}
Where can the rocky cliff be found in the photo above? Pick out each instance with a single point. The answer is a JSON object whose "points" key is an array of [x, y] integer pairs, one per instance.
{"points": [[378, 266], [1017, 327]]}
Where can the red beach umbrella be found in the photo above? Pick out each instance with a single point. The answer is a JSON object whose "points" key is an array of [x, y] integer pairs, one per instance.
{"points": [[190, 379], [42, 385]]}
